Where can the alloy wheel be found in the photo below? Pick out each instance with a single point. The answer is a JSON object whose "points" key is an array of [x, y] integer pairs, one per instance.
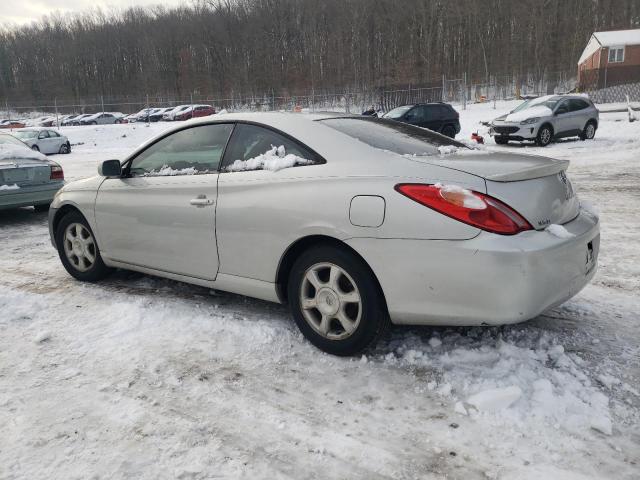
{"points": [[330, 301], [79, 247], [590, 131]]}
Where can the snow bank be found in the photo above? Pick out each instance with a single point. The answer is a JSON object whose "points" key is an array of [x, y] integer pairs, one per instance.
{"points": [[9, 151], [559, 231], [9, 187], [274, 159], [513, 376], [532, 112]]}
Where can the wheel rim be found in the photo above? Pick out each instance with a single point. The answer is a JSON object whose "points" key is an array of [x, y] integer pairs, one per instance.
{"points": [[545, 135], [79, 247], [330, 301], [591, 130]]}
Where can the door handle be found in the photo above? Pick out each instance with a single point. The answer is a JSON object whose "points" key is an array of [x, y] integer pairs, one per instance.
{"points": [[200, 201]]}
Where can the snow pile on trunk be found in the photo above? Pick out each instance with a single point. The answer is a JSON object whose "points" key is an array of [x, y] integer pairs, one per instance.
{"points": [[167, 171], [274, 159], [9, 187], [468, 149], [512, 376], [9, 151], [532, 112], [559, 231]]}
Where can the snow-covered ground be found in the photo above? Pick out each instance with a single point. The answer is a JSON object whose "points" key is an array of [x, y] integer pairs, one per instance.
{"points": [[139, 377]]}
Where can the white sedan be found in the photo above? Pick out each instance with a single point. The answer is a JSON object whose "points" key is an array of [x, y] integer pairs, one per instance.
{"points": [[353, 221], [44, 140]]}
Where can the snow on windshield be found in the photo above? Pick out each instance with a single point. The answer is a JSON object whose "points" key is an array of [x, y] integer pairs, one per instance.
{"points": [[531, 112], [274, 159]]}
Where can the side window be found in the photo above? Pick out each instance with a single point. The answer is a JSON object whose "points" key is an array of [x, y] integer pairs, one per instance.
{"points": [[43, 134], [562, 108], [195, 150], [53, 134], [577, 104], [257, 148], [417, 114]]}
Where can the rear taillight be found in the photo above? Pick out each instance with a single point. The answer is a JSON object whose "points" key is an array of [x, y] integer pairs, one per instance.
{"points": [[472, 208], [56, 172]]}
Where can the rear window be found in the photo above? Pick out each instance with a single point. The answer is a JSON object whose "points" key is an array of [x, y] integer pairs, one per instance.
{"points": [[390, 135]]}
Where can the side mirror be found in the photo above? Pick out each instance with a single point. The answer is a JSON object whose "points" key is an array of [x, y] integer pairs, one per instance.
{"points": [[110, 168]]}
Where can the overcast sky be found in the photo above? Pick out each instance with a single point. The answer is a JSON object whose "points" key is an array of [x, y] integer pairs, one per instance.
{"points": [[25, 11]]}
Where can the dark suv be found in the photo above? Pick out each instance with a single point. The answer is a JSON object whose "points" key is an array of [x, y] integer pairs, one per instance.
{"points": [[439, 117]]}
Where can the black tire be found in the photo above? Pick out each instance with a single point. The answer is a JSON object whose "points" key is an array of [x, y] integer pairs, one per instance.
{"points": [[98, 270], [42, 207], [545, 136], [589, 131], [65, 148], [373, 315], [93, 123], [449, 131], [501, 140], [36, 148]]}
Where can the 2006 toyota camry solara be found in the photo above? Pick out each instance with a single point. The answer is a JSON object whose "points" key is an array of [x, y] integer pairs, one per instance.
{"points": [[354, 222]]}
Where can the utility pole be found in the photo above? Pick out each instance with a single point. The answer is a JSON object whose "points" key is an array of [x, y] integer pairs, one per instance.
{"points": [[464, 91], [444, 89], [147, 107], [102, 102], [55, 103]]}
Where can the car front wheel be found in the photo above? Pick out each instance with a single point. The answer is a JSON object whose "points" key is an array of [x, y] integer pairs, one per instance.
{"points": [[336, 301], [589, 131], [78, 249], [545, 135], [65, 148]]}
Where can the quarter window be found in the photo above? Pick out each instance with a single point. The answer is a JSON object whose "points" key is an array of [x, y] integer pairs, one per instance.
{"points": [[257, 148], [195, 150], [616, 55]]}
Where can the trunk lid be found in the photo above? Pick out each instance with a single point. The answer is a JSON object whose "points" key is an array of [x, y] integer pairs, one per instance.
{"points": [[24, 172], [536, 187]]}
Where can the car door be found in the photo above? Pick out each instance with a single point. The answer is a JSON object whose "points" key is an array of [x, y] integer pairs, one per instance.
{"points": [[416, 116], [56, 141], [160, 213], [563, 121], [578, 108], [45, 143]]}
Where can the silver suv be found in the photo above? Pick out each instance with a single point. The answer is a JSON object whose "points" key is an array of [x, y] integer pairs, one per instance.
{"points": [[548, 118]]}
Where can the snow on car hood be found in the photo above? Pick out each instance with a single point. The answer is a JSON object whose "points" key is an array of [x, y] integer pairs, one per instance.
{"points": [[537, 111], [9, 151]]}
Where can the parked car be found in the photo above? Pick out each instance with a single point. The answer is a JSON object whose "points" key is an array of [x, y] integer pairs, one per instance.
{"points": [[13, 124], [171, 114], [439, 117], [131, 118], [76, 121], [353, 221], [27, 177], [546, 119], [101, 118], [44, 140], [158, 115], [195, 111]]}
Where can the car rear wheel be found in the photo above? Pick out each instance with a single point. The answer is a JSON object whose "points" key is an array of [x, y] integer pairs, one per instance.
{"points": [[335, 300], [589, 131], [65, 148], [78, 249], [36, 148], [545, 135], [501, 140], [449, 131]]}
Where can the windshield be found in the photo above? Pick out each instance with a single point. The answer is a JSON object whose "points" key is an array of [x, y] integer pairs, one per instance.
{"points": [[26, 134], [549, 102], [398, 112], [4, 138], [392, 136]]}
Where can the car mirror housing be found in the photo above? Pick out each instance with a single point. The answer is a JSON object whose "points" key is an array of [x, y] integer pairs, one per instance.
{"points": [[110, 168]]}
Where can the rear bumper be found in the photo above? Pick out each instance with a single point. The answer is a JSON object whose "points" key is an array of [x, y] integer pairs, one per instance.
{"points": [[488, 280], [28, 196]]}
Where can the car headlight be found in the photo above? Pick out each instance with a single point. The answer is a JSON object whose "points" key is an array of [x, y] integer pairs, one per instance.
{"points": [[529, 121]]}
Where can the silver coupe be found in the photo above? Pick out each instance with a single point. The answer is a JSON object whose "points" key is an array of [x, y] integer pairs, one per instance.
{"points": [[355, 222]]}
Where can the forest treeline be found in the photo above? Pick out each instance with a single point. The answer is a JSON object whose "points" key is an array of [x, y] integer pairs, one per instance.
{"points": [[221, 47]]}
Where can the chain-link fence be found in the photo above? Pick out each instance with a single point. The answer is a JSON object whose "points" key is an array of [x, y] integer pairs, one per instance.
{"points": [[458, 91]]}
